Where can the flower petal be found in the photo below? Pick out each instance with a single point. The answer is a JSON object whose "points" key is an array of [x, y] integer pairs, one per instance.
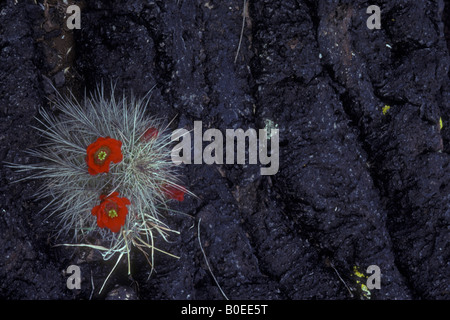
{"points": [[149, 134], [104, 217], [101, 153], [176, 193]]}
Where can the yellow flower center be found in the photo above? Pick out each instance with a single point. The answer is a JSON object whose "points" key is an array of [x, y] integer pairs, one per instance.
{"points": [[102, 155], [112, 209], [112, 213]]}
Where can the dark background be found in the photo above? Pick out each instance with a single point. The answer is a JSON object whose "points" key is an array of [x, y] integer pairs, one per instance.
{"points": [[355, 187]]}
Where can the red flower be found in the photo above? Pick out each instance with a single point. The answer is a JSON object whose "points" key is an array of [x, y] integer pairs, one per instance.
{"points": [[101, 153], [111, 212], [176, 193], [150, 133]]}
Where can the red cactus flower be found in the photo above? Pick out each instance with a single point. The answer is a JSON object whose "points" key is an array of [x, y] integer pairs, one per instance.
{"points": [[101, 153], [111, 212], [150, 133], [176, 193]]}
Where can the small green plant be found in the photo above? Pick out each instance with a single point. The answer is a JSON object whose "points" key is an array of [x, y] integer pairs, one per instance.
{"points": [[360, 280], [106, 168]]}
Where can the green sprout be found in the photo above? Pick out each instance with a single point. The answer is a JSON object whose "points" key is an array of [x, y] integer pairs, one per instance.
{"points": [[360, 280]]}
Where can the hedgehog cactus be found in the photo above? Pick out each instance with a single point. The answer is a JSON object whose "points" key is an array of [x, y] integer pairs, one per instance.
{"points": [[106, 167]]}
